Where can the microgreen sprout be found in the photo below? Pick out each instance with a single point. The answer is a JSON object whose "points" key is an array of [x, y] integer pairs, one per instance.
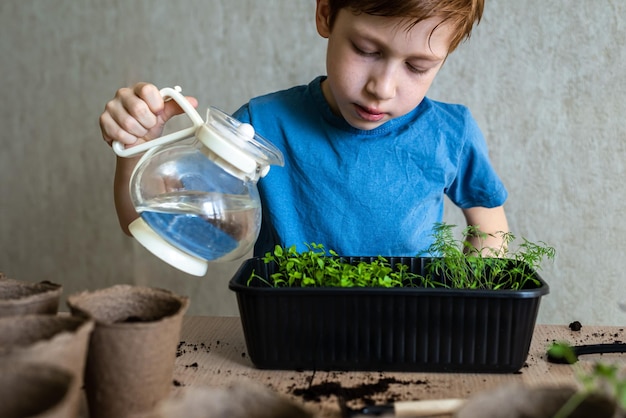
{"points": [[451, 264], [318, 267]]}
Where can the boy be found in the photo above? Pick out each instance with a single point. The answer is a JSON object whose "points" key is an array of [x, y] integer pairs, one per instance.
{"points": [[368, 158]]}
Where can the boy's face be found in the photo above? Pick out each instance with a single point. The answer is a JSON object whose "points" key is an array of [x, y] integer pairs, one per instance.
{"points": [[378, 69]]}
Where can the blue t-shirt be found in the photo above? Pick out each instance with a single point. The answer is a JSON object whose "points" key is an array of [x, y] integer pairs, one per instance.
{"points": [[366, 192]]}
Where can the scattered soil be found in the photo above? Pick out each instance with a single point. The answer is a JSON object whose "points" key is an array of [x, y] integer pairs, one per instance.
{"points": [[365, 392], [185, 347]]}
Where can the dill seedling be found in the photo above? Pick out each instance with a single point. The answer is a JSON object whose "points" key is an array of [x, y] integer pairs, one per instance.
{"points": [[463, 266]]}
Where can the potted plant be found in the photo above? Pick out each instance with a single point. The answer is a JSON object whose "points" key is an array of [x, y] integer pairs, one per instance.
{"points": [[603, 381], [451, 308]]}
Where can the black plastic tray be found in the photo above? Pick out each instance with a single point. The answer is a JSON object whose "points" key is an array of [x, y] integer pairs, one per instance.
{"points": [[386, 329]]}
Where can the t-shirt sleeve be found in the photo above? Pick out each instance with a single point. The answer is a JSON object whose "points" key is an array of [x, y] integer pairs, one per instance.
{"points": [[476, 182], [243, 114]]}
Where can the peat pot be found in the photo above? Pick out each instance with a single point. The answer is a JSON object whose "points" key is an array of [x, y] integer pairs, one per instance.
{"points": [[19, 297]]}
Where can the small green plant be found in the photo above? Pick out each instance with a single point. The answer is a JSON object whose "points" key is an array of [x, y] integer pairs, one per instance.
{"points": [[603, 379], [452, 264], [466, 267], [318, 267]]}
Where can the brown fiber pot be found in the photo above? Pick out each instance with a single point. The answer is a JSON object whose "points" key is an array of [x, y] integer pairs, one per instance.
{"points": [[58, 340], [19, 298], [244, 399], [36, 390], [132, 351]]}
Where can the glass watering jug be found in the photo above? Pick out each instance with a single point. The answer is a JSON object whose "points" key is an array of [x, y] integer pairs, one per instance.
{"points": [[196, 189]]}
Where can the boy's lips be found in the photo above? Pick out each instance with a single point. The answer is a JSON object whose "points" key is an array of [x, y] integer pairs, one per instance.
{"points": [[369, 114]]}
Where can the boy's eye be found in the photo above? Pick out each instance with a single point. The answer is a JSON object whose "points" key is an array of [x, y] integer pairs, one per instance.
{"points": [[364, 52], [415, 69]]}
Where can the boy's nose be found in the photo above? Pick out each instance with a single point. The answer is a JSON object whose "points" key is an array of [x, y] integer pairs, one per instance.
{"points": [[382, 84]]}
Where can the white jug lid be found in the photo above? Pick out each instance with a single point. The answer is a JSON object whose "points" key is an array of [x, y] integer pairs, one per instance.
{"points": [[237, 144]]}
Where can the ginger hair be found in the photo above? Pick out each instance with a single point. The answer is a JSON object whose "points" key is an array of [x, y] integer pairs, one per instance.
{"points": [[461, 14]]}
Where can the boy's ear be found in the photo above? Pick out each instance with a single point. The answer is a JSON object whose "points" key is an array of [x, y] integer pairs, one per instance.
{"points": [[322, 18]]}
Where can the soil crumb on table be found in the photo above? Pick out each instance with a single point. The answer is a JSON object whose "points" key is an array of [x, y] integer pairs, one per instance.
{"points": [[575, 326]]}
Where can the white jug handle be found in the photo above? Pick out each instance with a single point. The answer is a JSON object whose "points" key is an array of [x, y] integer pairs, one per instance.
{"points": [[197, 121]]}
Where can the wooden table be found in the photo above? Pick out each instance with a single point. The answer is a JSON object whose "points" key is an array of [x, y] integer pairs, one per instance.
{"points": [[212, 352]]}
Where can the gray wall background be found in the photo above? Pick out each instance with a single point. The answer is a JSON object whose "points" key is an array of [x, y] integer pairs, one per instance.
{"points": [[545, 80]]}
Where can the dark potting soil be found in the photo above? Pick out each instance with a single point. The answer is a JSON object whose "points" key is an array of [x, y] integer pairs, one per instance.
{"points": [[135, 319], [364, 392]]}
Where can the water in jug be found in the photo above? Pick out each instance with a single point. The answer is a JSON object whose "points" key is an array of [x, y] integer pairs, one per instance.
{"points": [[196, 189]]}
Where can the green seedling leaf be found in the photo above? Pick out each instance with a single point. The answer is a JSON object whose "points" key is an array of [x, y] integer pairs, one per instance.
{"points": [[562, 351], [454, 264]]}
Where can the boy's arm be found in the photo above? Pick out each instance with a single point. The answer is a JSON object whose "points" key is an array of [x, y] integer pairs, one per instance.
{"points": [[121, 193], [491, 221]]}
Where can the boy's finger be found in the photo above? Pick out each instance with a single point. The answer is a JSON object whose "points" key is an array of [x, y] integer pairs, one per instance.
{"points": [[172, 108], [150, 94], [111, 131]]}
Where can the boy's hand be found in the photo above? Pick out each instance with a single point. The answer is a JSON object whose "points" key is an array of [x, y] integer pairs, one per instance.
{"points": [[137, 114]]}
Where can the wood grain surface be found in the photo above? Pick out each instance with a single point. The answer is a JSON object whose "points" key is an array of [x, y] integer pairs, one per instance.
{"points": [[212, 353]]}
